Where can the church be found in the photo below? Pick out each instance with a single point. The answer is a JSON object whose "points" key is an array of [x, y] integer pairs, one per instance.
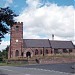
{"points": [[20, 47]]}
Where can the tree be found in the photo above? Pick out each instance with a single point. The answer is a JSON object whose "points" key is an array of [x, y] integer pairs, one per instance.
{"points": [[6, 20], [1, 59], [5, 52]]}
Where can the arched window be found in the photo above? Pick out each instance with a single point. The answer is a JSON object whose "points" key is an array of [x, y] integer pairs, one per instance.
{"points": [[46, 51], [40, 51], [17, 53], [36, 52], [22, 54]]}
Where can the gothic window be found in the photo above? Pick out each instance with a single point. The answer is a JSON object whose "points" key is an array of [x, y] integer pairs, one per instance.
{"points": [[36, 52], [17, 53], [51, 51], [46, 51], [65, 51], [22, 54], [40, 51]]}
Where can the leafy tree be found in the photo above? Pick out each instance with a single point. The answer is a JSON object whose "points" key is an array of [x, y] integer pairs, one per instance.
{"points": [[5, 52], [6, 20], [1, 56]]}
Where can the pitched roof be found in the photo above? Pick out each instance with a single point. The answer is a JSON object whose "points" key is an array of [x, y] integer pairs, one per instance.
{"points": [[36, 43], [61, 44]]}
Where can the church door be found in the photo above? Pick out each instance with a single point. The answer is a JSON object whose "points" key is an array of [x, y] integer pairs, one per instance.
{"points": [[28, 54]]}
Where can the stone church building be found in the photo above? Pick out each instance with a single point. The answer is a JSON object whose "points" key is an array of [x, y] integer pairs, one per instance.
{"points": [[20, 47]]}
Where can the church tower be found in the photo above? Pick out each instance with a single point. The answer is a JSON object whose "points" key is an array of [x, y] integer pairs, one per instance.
{"points": [[16, 40]]}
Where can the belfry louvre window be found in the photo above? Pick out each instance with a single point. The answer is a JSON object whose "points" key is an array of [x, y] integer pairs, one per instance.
{"points": [[17, 28]]}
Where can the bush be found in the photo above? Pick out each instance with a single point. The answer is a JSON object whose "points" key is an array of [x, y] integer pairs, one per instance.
{"points": [[1, 59]]}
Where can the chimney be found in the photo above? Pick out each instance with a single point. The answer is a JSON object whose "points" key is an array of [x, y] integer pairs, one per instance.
{"points": [[52, 36]]}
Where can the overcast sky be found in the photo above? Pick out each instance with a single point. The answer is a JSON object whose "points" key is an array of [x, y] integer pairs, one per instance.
{"points": [[42, 18]]}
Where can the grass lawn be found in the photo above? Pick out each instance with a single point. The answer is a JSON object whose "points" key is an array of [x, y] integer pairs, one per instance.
{"points": [[12, 64]]}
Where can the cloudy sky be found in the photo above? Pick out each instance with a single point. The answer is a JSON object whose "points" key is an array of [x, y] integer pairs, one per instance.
{"points": [[42, 18]]}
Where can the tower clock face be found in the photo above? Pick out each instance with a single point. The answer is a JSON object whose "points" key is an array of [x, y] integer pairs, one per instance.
{"points": [[17, 40]]}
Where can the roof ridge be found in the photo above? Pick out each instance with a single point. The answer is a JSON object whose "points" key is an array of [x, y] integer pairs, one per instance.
{"points": [[35, 39], [61, 40]]}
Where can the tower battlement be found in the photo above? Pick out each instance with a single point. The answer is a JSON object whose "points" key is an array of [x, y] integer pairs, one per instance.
{"points": [[18, 23]]}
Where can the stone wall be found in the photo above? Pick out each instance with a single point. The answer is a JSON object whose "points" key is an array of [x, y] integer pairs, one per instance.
{"points": [[57, 60], [32, 51]]}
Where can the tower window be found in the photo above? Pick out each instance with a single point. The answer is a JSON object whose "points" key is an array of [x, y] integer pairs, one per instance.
{"points": [[17, 28], [17, 53]]}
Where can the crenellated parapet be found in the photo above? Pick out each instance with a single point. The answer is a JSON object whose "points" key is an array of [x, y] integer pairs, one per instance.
{"points": [[19, 23]]}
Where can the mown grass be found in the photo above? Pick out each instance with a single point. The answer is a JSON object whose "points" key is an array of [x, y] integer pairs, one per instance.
{"points": [[12, 64]]}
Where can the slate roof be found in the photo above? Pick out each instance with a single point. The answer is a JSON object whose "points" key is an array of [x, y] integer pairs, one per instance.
{"points": [[62, 44], [46, 43], [36, 43]]}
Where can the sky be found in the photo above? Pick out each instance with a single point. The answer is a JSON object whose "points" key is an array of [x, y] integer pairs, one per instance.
{"points": [[42, 18]]}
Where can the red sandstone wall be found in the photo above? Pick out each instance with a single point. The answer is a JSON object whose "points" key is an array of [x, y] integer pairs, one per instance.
{"points": [[32, 51], [16, 35]]}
